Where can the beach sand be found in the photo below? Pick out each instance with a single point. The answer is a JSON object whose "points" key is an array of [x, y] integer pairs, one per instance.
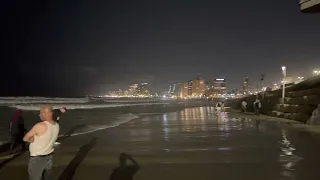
{"points": [[187, 144]]}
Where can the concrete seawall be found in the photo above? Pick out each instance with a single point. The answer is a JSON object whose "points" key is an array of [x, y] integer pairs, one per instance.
{"points": [[299, 103]]}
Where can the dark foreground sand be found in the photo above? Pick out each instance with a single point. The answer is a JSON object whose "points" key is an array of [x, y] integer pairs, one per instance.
{"points": [[189, 144]]}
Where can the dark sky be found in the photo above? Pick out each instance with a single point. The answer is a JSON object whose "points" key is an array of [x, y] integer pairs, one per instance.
{"points": [[74, 48]]}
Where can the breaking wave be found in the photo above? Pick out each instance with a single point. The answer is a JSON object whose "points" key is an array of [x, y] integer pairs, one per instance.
{"points": [[36, 107], [30, 100], [95, 127]]}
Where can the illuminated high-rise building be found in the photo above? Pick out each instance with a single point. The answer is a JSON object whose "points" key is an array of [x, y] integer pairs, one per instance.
{"points": [[198, 87], [133, 90], [183, 90], [190, 88], [142, 89], [219, 86]]}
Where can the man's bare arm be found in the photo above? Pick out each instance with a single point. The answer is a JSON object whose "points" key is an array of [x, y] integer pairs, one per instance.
{"points": [[29, 137]]}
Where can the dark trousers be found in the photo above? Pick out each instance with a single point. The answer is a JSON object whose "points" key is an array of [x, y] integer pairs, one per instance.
{"points": [[256, 111], [17, 139]]}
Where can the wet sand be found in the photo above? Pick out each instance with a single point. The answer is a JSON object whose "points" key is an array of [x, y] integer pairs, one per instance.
{"points": [[188, 144]]}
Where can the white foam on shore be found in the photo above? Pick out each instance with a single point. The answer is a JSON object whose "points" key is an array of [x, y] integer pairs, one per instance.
{"points": [[36, 107], [132, 100], [93, 128], [30, 100]]}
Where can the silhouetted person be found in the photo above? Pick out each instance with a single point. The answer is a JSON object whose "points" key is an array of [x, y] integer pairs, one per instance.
{"points": [[257, 106], [218, 109], [124, 171], [243, 106], [57, 113], [17, 130], [56, 116]]}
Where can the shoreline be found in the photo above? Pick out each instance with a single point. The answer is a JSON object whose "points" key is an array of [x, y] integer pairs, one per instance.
{"points": [[291, 123]]}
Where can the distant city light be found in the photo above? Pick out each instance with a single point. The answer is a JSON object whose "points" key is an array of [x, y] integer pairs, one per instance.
{"points": [[316, 72]]}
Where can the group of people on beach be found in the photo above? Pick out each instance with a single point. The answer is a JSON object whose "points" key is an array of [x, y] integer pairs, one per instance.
{"points": [[41, 137], [256, 106]]}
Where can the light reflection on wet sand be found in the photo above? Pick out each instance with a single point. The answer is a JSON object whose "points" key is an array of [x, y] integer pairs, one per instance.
{"points": [[227, 147], [199, 135]]}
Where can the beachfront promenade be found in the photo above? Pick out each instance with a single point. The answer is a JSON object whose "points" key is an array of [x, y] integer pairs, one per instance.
{"points": [[188, 144]]}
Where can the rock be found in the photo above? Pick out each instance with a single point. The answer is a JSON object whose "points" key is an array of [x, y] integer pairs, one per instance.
{"points": [[307, 92], [289, 108], [315, 118]]}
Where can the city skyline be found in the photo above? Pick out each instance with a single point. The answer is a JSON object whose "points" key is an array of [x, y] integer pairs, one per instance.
{"points": [[245, 85]]}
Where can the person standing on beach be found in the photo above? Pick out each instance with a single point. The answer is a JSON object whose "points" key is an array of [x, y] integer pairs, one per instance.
{"points": [[41, 138], [57, 113], [244, 106], [222, 107], [257, 106], [218, 109], [17, 130]]}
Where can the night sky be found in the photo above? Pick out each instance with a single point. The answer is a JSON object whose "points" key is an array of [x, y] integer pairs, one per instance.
{"points": [[76, 48]]}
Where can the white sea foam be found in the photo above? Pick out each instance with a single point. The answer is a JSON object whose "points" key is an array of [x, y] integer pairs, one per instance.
{"points": [[30, 100], [36, 107], [92, 128], [131, 100]]}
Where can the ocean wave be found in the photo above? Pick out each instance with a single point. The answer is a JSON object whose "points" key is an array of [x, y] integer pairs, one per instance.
{"points": [[32, 100], [36, 107], [95, 127]]}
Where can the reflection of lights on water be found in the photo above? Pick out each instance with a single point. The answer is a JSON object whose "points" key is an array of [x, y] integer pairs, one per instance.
{"points": [[289, 165], [165, 120], [165, 124], [167, 150], [193, 118], [225, 149], [287, 149], [287, 154]]}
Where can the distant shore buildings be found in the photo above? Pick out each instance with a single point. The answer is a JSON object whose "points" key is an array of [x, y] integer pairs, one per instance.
{"points": [[135, 90], [198, 88]]}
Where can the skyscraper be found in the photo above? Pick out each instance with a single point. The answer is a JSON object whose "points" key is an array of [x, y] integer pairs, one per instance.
{"points": [[190, 88], [142, 89], [219, 86], [183, 90], [133, 90], [198, 87]]}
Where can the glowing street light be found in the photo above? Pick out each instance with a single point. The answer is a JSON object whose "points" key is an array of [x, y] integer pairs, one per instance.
{"points": [[316, 72], [284, 73]]}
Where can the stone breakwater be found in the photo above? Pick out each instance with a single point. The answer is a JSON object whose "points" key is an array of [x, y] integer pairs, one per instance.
{"points": [[301, 102]]}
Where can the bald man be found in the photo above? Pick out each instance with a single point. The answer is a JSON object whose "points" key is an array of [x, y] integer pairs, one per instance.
{"points": [[41, 138]]}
